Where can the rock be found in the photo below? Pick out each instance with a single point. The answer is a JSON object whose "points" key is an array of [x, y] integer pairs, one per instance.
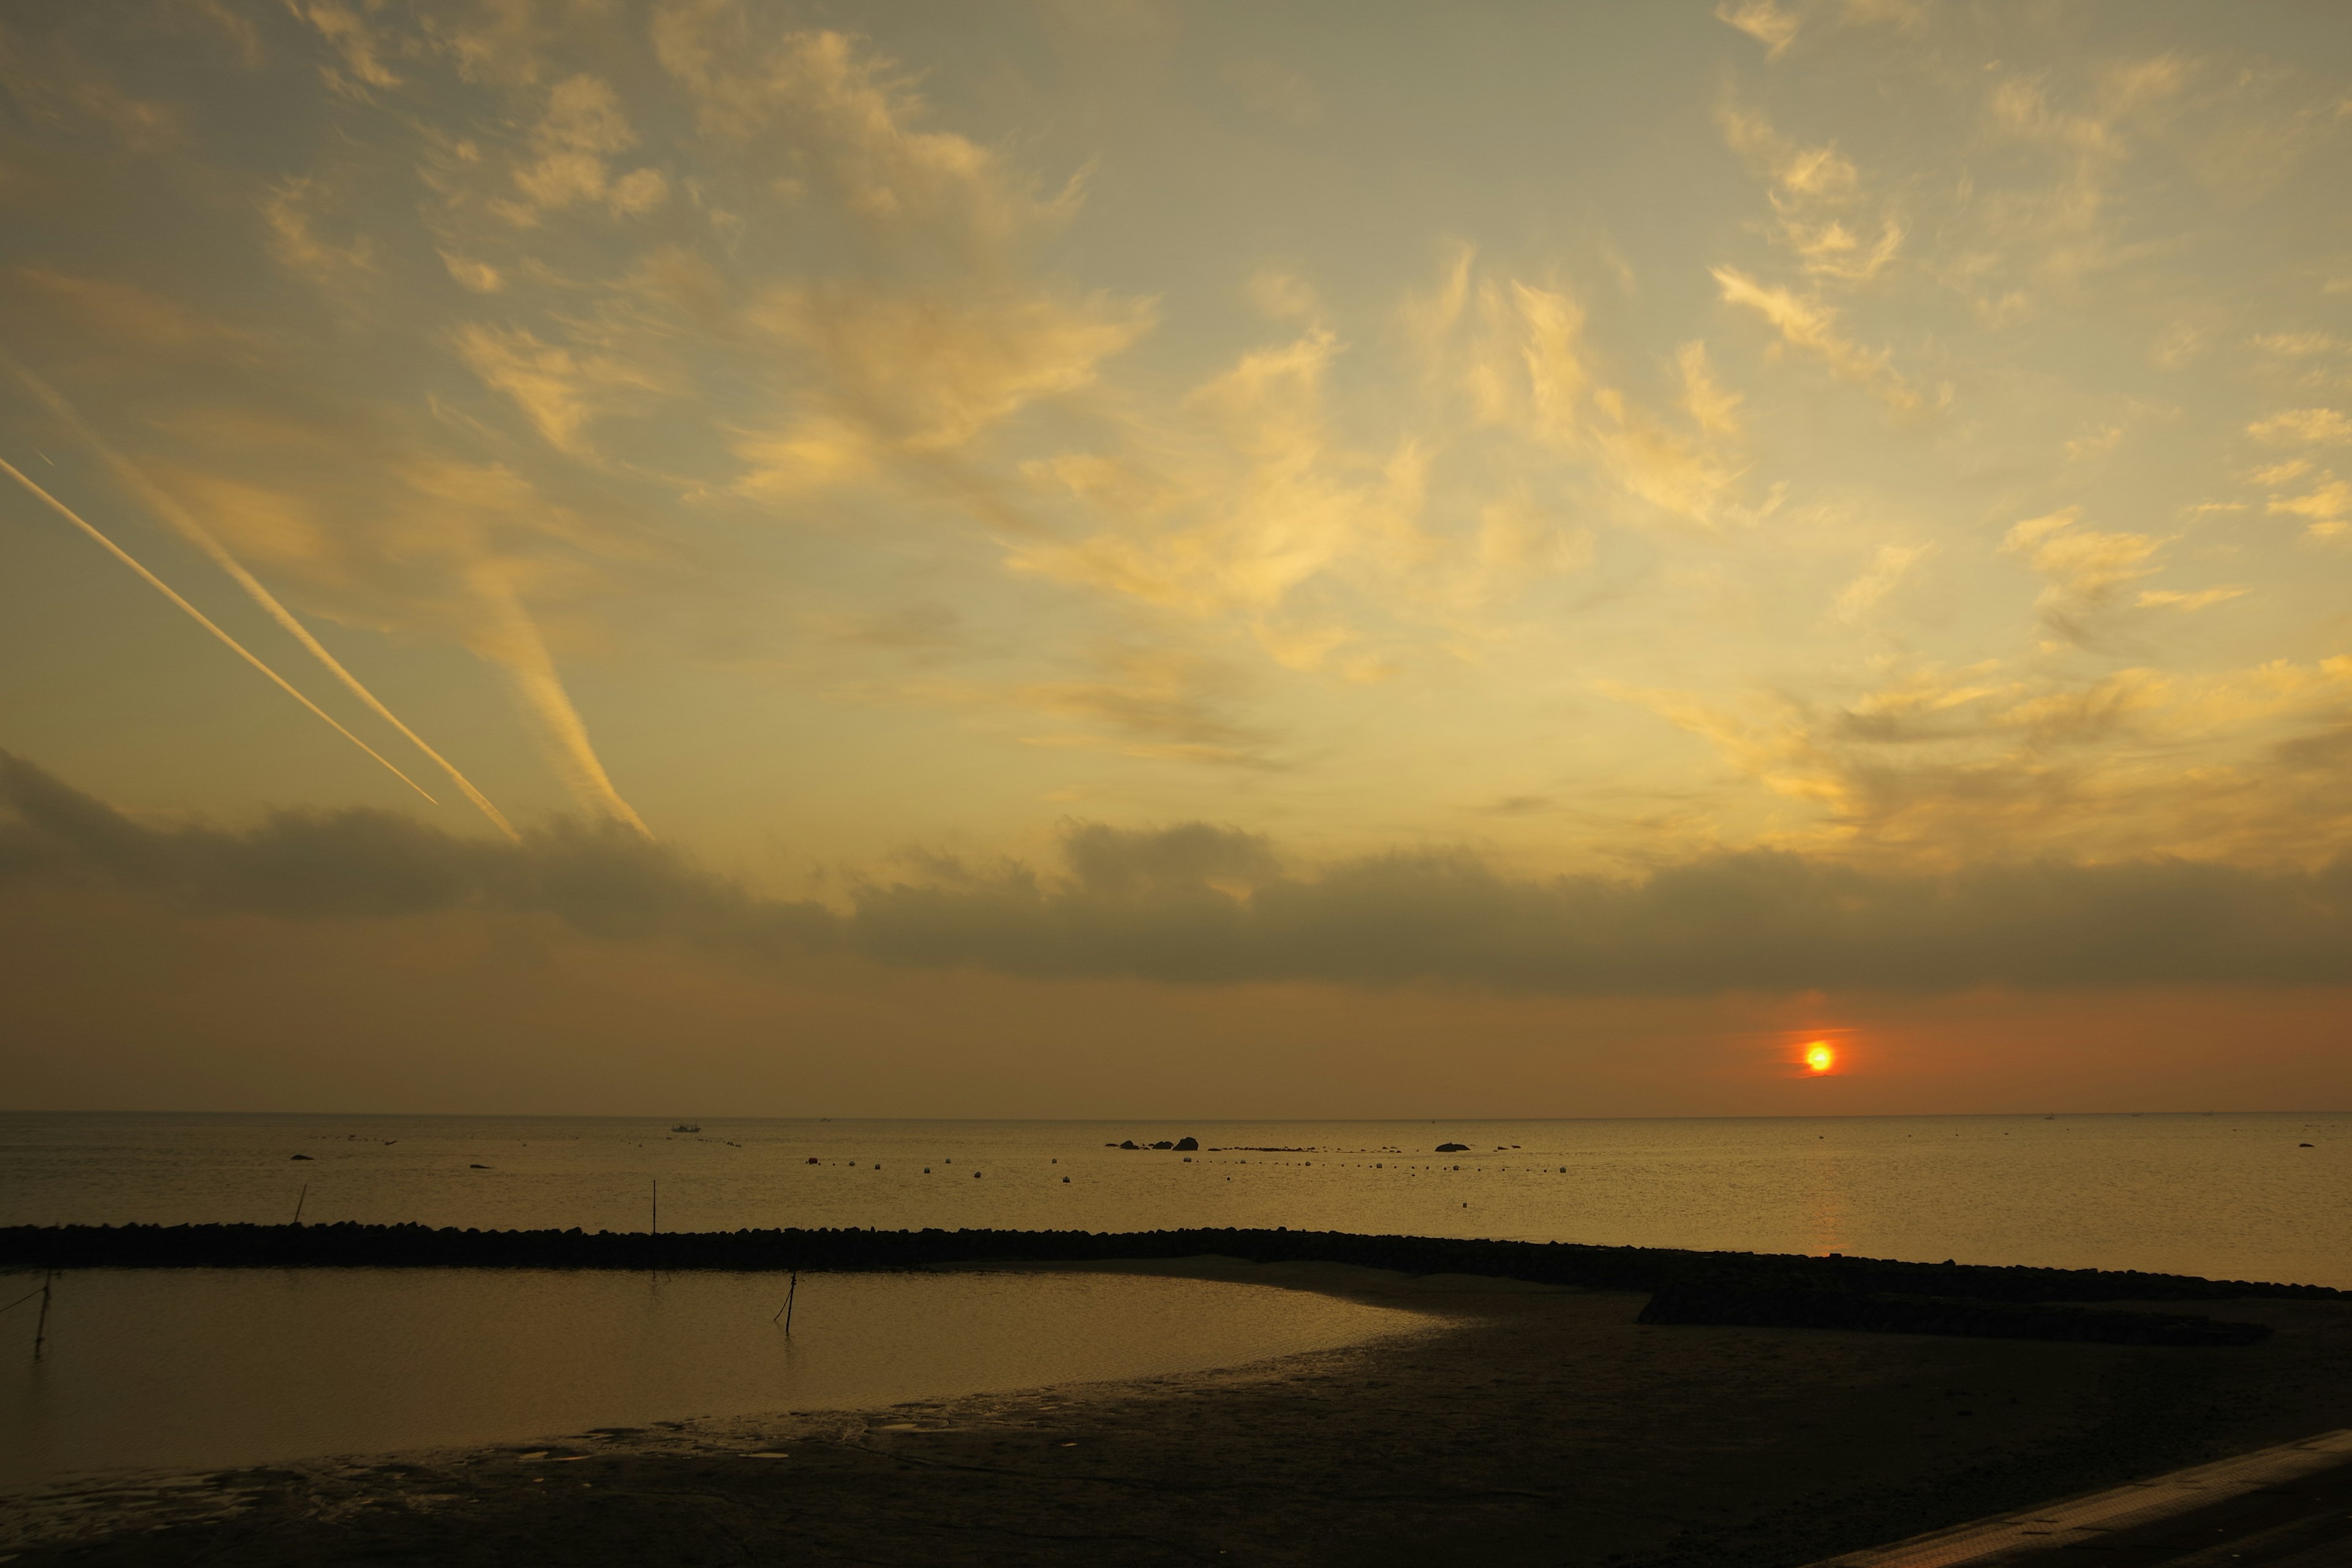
{"points": [[1131, 1143], [1184, 1143], [306, 1156], [1163, 1143], [1454, 1148]]}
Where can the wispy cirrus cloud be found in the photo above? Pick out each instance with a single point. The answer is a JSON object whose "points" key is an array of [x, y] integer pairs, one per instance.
{"points": [[1810, 328]]}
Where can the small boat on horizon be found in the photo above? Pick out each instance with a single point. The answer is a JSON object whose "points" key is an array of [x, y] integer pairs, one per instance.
{"points": [[687, 1127]]}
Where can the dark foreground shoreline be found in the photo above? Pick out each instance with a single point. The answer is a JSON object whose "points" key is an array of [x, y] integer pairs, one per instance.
{"points": [[1533, 1422]]}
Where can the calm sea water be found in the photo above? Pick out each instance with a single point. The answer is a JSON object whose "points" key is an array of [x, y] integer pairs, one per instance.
{"points": [[212, 1368], [2231, 1196]]}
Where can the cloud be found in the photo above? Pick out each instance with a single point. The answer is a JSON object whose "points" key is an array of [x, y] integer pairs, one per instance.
{"points": [[477, 275], [1196, 903], [2174, 599], [1817, 201], [834, 117], [1712, 408], [1158, 703], [2087, 569], [1810, 328], [1281, 296], [2327, 504], [1886, 572], [360, 50], [1762, 20], [899, 375], [1523, 365], [2302, 345], [2303, 428], [1250, 497], [292, 214], [569, 159], [1936, 766], [58, 89], [558, 391], [2097, 444]]}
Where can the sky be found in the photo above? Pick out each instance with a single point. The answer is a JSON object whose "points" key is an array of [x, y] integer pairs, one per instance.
{"points": [[1113, 557]]}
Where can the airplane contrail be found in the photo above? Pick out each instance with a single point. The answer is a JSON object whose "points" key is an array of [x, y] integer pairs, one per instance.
{"points": [[205, 621], [515, 643], [178, 516]]}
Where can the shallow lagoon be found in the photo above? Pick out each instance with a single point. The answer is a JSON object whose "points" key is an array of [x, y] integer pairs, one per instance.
{"points": [[212, 1368]]}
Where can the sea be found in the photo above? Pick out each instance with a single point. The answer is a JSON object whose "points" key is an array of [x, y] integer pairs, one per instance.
{"points": [[150, 1371], [2249, 1197]]}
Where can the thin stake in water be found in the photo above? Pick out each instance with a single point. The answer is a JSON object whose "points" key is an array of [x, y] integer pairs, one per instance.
{"points": [[656, 1205], [300, 1201], [785, 1311], [41, 1327]]}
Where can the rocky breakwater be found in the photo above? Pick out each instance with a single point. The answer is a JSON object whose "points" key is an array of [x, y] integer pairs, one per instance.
{"points": [[1871, 1294]]}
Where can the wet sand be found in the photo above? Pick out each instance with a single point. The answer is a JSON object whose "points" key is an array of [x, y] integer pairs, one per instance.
{"points": [[1526, 1424]]}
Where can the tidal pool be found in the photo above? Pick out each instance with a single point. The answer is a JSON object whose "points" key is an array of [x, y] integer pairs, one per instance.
{"points": [[212, 1368]]}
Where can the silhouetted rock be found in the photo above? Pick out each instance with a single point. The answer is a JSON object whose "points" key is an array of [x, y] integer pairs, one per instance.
{"points": [[1183, 1144], [1163, 1143], [1454, 1148], [306, 1156], [1131, 1143]]}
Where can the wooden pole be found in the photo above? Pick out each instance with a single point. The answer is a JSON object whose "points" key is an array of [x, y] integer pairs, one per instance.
{"points": [[41, 1329], [656, 1205], [785, 1311], [300, 1201]]}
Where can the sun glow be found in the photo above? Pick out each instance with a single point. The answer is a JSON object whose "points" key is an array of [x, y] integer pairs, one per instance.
{"points": [[1818, 1057]]}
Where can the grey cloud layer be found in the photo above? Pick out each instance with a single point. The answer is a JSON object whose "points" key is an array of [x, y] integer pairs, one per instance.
{"points": [[1198, 903]]}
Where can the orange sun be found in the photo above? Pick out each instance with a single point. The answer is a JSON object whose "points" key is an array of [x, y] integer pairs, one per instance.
{"points": [[1819, 1057]]}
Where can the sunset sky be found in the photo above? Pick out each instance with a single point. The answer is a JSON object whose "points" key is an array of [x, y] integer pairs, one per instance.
{"points": [[1137, 557]]}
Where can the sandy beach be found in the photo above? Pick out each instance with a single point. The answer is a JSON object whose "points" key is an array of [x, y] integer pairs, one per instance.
{"points": [[1524, 1424]]}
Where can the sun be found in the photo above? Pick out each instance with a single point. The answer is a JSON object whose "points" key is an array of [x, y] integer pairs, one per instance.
{"points": [[1819, 1057]]}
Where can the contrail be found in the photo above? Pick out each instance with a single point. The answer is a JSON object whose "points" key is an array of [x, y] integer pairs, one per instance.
{"points": [[204, 621], [178, 516], [515, 643]]}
